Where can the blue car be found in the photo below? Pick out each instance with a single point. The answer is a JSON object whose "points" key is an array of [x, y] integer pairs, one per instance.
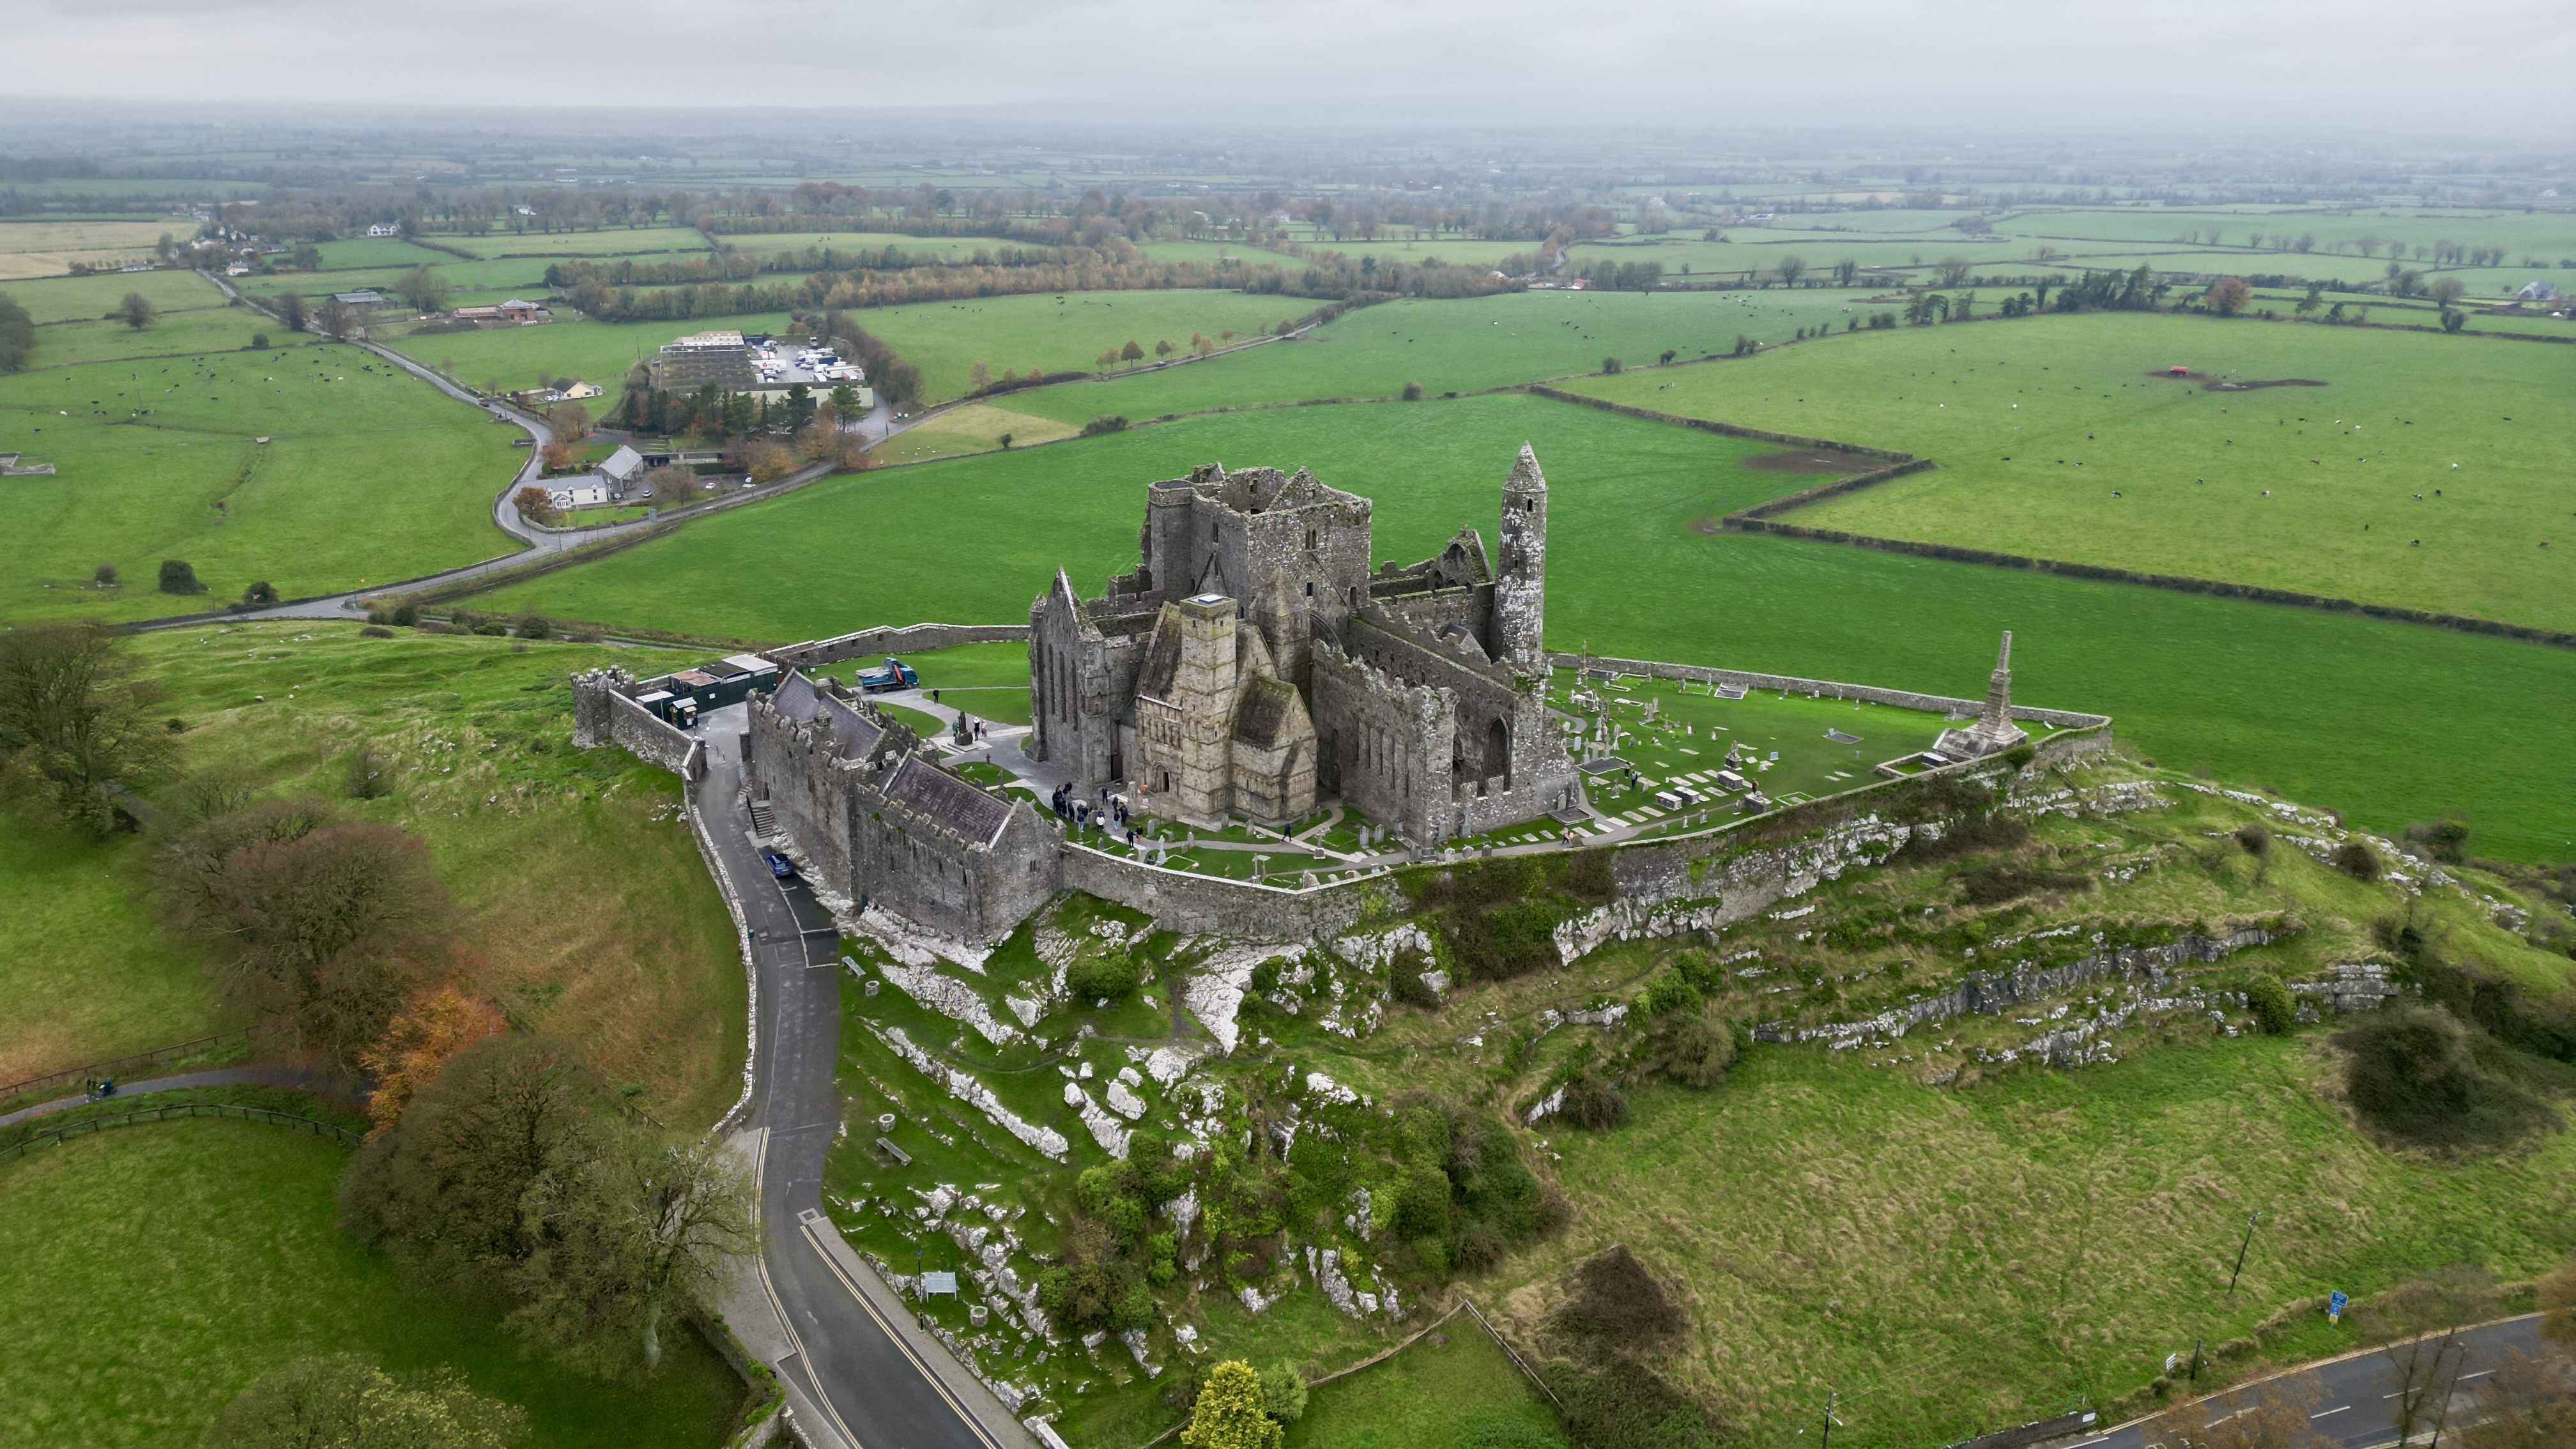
{"points": [[779, 865]]}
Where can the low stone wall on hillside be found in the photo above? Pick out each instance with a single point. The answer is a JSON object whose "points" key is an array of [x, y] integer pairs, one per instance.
{"points": [[647, 736], [1179, 900], [892, 639], [1831, 689], [1991, 991], [1711, 425]]}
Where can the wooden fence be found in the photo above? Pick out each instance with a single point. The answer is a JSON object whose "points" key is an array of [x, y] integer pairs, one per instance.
{"points": [[124, 1066], [86, 1126]]}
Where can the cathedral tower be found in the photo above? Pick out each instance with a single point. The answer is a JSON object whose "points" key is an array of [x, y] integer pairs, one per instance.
{"points": [[1520, 574]]}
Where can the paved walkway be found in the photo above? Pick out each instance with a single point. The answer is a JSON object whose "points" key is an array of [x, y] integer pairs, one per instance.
{"points": [[301, 1079]]}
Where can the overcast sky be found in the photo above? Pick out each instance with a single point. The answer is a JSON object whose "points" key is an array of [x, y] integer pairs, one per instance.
{"points": [[2494, 68]]}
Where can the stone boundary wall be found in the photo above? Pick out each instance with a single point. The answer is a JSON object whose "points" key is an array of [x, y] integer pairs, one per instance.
{"points": [[647, 736], [1753, 520], [892, 639], [1908, 699], [1822, 491], [1732, 430], [1213, 905]]}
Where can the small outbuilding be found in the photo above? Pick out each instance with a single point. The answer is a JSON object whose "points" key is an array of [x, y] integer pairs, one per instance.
{"points": [[621, 468]]}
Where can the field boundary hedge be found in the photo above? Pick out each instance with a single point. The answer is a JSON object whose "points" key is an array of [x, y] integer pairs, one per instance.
{"points": [[1710, 425], [1752, 521], [1762, 518]]}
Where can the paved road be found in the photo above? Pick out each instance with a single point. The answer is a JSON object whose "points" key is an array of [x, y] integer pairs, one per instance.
{"points": [[2354, 1400], [852, 1353], [877, 426], [302, 1079]]}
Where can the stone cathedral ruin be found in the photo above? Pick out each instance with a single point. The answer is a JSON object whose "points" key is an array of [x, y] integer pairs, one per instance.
{"points": [[1253, 661], [1253, 668]]}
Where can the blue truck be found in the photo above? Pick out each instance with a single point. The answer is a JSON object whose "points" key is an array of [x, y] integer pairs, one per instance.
{"points": [[893, 674]]}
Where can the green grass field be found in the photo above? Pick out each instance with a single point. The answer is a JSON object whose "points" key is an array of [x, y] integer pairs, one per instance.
{"points": [[367, 476], [2330, 708], [91, 978], [156, 1269], [974, 428], [988, 681], [208, 327], [584, 903], [1959, 1261], [611, 242], [1454, 346], [1058, 332], [66, 299], [511, 358], [1423, 1397], [381, 251], [2038, 423], [48, 247]]}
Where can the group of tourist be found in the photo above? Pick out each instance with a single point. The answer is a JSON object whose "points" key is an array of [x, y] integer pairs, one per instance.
{"points": [[1107, 812]]}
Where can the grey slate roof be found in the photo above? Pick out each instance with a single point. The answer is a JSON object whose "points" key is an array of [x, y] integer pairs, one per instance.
{"points": [[853, 733], [1162, 663], [1263, 716], [952, 802]]}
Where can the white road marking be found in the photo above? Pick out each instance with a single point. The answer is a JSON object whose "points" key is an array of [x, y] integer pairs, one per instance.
{"points": [[2337, 1409]]}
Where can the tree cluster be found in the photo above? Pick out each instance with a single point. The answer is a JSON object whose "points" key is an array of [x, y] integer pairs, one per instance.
{"points": [[345, 1401], [512, 1178], [323, 923], [17, 335]]}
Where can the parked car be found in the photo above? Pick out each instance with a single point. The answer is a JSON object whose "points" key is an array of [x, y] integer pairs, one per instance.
{"points": [[779, 866]]}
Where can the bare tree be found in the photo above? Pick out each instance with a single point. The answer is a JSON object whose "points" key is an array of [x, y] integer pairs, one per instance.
{"points": [[1791, 268], [2425, 1368], [2529, 1402]]}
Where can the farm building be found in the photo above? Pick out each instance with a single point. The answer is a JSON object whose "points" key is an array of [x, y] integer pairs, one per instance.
{"points": [[584, 494], [622, 467]]}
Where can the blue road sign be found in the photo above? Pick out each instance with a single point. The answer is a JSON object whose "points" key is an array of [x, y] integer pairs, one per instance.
{"points": [[2334, 1305]]}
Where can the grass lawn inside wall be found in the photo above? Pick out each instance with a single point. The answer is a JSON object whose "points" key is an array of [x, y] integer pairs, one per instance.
{"points": [[157, 1269], [2056, 439], [1424, 1396], [2334, 709]]}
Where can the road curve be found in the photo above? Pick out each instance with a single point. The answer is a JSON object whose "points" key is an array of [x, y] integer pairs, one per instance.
{"points": [[2353, 1403], [846, 1347]]}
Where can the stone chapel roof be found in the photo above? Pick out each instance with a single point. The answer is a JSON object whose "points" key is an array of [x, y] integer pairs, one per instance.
{"points": [[951, 802], [1267, 713], [1162, 662], [853, 733]]}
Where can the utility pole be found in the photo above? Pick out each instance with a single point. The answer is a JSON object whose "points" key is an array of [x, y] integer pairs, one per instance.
{"points": [[2250, 1220], [1827, 1442], [2233, 1274]]}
